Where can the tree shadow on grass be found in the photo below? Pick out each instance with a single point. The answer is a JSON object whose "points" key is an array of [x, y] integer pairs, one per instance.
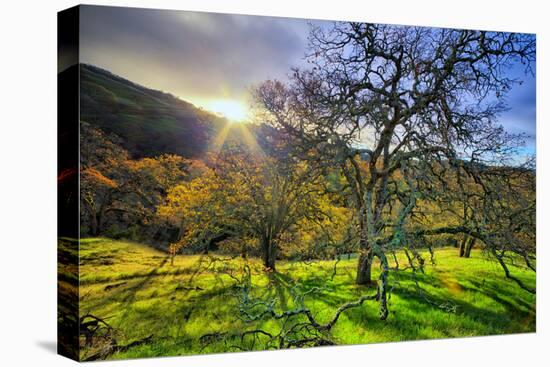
{"points": [[127, 295], [287, 288], [497, 293], [284, 287], [486, 320], [333, 293]]}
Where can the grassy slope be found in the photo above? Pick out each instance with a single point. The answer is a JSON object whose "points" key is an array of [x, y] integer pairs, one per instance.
{"points": [[149, 122], [153, 297]]}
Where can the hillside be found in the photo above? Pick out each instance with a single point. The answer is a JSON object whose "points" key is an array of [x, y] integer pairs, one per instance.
{"points": [[149, 122]]}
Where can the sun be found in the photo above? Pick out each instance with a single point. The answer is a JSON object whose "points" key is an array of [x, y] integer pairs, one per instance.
{"points": [[235, 111]]}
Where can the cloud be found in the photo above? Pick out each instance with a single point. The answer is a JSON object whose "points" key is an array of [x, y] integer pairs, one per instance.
{"points": [[204, 57], [190, 54], [521, 117]]}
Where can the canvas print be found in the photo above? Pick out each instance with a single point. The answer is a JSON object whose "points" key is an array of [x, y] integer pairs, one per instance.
{"points": [[234, 183]]}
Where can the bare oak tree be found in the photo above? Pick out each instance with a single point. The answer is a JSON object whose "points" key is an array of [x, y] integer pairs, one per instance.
{"points": [[405, 100]]}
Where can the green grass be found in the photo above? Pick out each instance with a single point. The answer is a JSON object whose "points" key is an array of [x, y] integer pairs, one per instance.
{"points": [[140, 293]]}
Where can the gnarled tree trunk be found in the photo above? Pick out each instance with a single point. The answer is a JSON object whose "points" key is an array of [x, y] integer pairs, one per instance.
{"points": [[462, 247], [95, 223], [269, 253], [466, 246], [364, 267], [364, 263], [469, 247]]}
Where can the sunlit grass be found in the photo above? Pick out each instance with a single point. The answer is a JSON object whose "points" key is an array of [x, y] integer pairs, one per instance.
{"points": [[140, 293]]}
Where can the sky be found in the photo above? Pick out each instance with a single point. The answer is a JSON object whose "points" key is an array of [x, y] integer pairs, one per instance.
{"points": [[205, 58], [212, 60]]}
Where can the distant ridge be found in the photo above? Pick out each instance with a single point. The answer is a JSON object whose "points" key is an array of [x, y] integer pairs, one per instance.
{"points": [[149, 122]]}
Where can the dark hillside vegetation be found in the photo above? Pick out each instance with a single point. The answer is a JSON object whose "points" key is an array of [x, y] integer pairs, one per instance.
{"points": [[149, 122]]}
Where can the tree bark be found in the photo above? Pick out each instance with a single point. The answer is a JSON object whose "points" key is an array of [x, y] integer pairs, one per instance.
{"points": [[469, 247], [382, 286], [95, 224], [462, 247], [364, 263], [269, 254], [364, 268], [466, 246]]}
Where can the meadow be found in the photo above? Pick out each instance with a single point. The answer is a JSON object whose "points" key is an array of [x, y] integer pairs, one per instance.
{"points": [[158, 306], [373, 191]]}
